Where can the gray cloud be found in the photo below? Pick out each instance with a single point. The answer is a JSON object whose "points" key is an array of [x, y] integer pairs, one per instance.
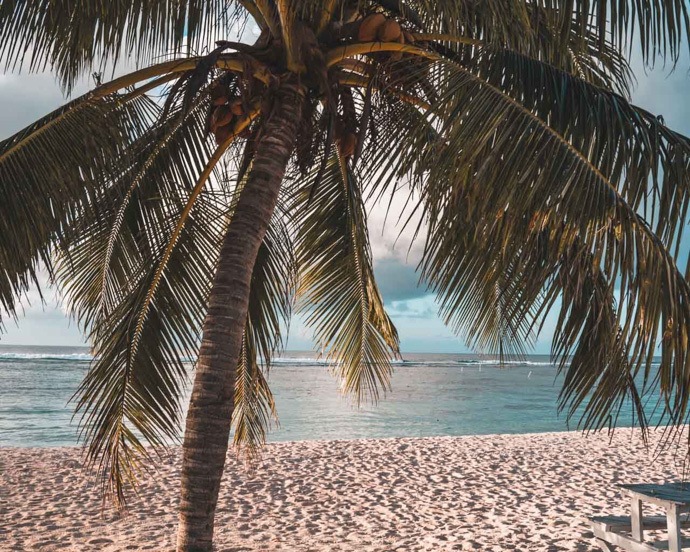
{"points": [[664, 92], [26, 97], [397, 280]]}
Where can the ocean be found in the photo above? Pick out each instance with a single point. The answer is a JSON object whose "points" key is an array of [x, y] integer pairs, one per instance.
{"points": [[432, 395]]}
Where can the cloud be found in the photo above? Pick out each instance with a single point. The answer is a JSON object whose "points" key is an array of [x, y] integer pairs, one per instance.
{"points": [[392, 225], [664, 92], [397, 280], [393, 221], [420, 328], [41, 320], [25, 98], [424, 307]]}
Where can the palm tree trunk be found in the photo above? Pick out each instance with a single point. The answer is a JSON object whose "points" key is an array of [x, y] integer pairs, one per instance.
{"points": [[208, 420]]}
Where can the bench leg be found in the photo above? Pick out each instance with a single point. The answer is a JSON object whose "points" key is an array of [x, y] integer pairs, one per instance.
{"points": [[673, 524], [636, 519], [608, 547]]}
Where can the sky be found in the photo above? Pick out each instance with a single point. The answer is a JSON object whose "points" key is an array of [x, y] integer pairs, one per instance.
{"points": [[25, 97]]}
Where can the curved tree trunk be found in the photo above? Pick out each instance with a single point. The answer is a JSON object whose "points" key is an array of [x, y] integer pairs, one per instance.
{"points": [[208, 420]]}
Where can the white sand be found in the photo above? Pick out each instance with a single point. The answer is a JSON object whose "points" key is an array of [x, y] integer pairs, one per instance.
{"points": [[501, 492]]}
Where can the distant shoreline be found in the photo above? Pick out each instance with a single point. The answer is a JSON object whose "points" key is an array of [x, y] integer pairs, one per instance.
{"points": [[432, 395], [599, 434]]}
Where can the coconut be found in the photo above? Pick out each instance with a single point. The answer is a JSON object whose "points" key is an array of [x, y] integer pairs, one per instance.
{"points": [[237, 107], [397, 56], [221, 116], [219, 94], [390, 31], [369, 28], [222, 133], [348, 144]]}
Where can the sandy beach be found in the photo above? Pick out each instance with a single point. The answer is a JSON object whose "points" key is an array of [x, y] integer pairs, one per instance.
{"points": [[498, 492]]}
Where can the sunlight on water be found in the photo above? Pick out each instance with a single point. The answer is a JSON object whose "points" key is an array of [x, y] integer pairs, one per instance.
{"points": [[432, 394]]}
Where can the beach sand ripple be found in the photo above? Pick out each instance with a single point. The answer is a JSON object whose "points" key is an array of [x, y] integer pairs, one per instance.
{"points": [[487, 493]]}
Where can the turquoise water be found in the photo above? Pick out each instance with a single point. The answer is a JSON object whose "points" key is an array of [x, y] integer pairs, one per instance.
{"points": [[433, 394]]}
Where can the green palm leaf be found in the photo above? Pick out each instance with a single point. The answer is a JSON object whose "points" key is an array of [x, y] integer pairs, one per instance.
{"points": [[599, 379], [49, 171], [337, 289], [661, 26], [74, 37], [539, 210], [575, 49], [646, 161], [132, 389]]}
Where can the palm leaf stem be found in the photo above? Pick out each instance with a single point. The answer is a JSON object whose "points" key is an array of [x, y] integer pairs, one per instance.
{"points": [[268, 14], [286, 15], [62, 113], [326, 14], [169, 70], [361, 278], [253, 10], [65, 112], [355, 65], [151, 85], [229, 62], [433, 37], [350, 50]]}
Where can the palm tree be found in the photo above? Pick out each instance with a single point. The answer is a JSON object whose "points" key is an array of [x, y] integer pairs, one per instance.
{"points": [[183, 208]]}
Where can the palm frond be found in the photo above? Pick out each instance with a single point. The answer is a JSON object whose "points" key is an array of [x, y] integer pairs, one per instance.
{"points": [[605, 67], [504, 219], [646, 161], [131, 392], [662, 27], [337, 289], [49, 171], [599, 379], [490, 308], [73, 37], [491, 204]]}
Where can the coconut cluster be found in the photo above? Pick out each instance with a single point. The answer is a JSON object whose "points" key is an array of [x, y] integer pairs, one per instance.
{"points": [[227, 110], [229, 94], [377, 27], [374, 27]]}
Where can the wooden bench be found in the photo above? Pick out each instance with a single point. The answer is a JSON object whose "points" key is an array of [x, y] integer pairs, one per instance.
{"points": [[627, 532], [608, 531]]}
